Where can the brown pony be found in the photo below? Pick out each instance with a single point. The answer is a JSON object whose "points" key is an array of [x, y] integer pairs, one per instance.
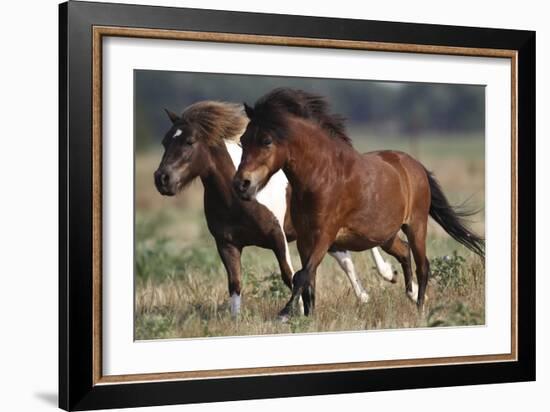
{"points": [[204, 142], [196, 146], [341, 199]]}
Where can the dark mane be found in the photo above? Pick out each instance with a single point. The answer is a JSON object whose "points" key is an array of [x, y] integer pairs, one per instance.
{"points": [[216, 121], [273, 106]]}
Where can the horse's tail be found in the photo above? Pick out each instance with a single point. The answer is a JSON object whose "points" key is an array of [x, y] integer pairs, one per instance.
{"points": [[452, 218]]}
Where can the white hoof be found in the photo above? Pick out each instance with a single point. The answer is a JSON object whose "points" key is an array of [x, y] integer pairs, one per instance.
{"points": [[363, 297], [235, 305]]}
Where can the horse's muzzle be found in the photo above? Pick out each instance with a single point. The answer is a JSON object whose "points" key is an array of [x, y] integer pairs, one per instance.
{"points": [[242, 187], [163, 184]]}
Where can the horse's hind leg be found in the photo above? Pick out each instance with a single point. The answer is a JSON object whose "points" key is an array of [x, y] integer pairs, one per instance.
{"points": [[416, 233], [400, 250], [343, 257], [384, 268]]}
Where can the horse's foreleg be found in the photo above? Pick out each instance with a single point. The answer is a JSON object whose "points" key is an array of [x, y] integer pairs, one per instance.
{"points": [[308, 294], [231, 258], [282, 253], [304, 289], [384, 268], [304, 280], [343, 257], [294, 301]]}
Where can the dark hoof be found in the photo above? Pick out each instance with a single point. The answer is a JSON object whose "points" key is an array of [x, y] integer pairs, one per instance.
{"points": [[283, 318], [395, 276], [284, 315]]}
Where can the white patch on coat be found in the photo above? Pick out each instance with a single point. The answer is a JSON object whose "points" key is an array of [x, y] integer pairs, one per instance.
{"points": [[178, 133], [344, 260], [272, 196], [235, 152], [235, 304]]}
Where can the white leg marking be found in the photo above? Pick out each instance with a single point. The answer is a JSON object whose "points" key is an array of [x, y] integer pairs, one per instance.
{"points": [[345, 262], [235, 304], [413, 294], [300, 306], [384, 268]]}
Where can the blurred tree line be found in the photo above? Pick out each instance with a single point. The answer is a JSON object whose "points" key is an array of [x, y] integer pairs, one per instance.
{"points": [[385, 108]]}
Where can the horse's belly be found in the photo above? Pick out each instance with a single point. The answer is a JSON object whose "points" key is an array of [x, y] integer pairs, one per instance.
{"points": [[349, 239]]}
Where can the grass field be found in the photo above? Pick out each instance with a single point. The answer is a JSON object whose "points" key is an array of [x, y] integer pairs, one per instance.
{"points": [[181, 286]]}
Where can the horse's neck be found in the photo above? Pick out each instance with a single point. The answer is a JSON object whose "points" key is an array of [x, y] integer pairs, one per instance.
{"points": [[306, 167], [218, 182]]}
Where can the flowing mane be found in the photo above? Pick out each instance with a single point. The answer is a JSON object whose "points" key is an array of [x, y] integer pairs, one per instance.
{"points": [[271, 108], [216, 121]]}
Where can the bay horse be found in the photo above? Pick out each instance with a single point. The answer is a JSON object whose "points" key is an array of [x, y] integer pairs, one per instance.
{"points": [[341, 199], [204, 142]]}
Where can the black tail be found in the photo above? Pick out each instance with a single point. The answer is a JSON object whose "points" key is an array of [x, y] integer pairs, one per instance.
{"points": [[452, 219]]}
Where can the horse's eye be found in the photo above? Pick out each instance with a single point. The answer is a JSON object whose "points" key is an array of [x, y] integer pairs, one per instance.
{"points": [[266, 141]]}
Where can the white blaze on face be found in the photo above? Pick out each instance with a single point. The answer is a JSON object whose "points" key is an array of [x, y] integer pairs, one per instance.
{"points": [[272, 196], [178, 133]]}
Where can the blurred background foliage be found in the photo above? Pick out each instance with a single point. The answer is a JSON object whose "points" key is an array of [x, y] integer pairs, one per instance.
{"points": [[382, 108]]}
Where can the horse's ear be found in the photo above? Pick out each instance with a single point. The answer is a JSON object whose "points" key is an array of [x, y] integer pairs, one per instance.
{"points": [[249, 111], [173, 117]]}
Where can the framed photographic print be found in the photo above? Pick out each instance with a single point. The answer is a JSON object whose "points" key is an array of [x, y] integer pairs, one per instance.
{"points": [[256, 206]]}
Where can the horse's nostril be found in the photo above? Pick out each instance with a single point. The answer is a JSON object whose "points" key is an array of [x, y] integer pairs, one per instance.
{"points": [[161, 178], [241, 185]]}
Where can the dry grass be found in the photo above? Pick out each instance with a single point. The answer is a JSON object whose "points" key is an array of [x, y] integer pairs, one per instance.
{"points": [[181, 284]]}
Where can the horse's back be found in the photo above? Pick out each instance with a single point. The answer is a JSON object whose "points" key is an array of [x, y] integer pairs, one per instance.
{"points": [[397, 159], [412, 175]]}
